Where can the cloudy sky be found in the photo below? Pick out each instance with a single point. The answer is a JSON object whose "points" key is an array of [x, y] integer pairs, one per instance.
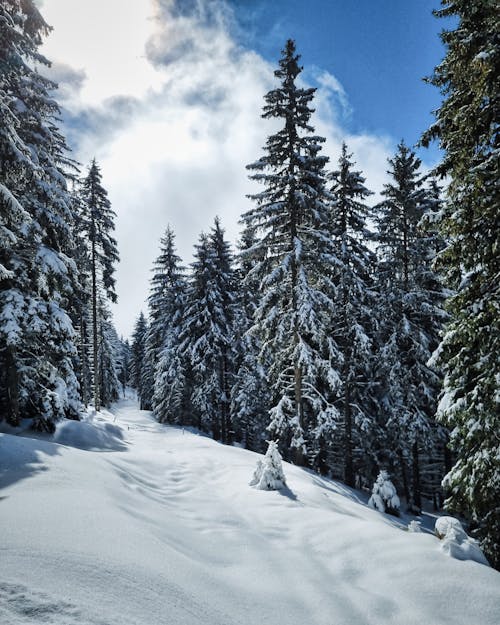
{"points": [[167, 95]]}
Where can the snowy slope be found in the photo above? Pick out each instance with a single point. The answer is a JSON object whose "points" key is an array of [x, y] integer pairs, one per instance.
{"points": [[158, 526]]}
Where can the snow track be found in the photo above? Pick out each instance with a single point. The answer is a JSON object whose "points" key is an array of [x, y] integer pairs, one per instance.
{"points": [[158, 526]]}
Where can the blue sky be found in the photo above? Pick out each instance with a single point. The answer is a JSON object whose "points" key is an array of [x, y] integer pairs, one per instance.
{"points": [[168, 95], [379, 50]]}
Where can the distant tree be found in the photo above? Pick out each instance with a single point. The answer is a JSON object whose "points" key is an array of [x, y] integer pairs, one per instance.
{"points": [[137, 355], [294, 255], [97, 225], [467, 128], [208, 331], [167, 304]]}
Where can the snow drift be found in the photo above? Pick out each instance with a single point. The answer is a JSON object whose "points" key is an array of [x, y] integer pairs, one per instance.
{"points": [[163, 528]]}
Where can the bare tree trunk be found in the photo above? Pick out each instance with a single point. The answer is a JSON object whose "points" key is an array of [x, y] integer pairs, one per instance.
{"points": [[12, 379], [97, 399], [417, 497], [83, 357]]}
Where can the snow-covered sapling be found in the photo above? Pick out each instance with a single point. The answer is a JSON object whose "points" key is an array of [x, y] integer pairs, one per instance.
{"points": [[384, 497], [269, 474], [414, 527]]}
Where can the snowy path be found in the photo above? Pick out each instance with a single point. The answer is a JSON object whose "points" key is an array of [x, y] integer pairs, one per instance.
{"points": [[164, 530]]}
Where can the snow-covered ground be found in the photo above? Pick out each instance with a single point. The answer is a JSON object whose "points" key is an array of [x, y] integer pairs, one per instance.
{"points": [[145, 524]]}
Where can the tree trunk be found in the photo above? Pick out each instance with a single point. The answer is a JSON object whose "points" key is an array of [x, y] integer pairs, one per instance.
{"points": [[97, 402], [417, 497], [406, 489], [83, 357], [349, 468], [12, 379]]}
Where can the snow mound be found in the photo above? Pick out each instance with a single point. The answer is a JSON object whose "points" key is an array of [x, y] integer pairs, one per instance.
{"points": [[92, 434], [456, 543]]}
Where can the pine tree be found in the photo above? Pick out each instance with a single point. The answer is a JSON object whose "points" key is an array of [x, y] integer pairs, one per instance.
{"points": [[249, 394], [352, 322], [294, 256], [138, 349], [38, 274], [167, 284], [467, 129], [208, 331], [167, 300], [411, 316], [97, 224]]}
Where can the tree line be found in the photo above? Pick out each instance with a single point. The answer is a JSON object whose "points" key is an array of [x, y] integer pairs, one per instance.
{"points": [[59, 351]]}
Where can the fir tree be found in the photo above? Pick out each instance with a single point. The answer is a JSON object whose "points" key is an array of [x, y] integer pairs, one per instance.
{"points": [[138, 349], [97, 225], [37, 271], [467, 129], [411, 316], [294, 255], [208, 331], [249, 394], [167, 300], [352, 322]]}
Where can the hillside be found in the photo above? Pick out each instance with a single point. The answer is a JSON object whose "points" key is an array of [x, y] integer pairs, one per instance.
{"points": [[124, 521]]}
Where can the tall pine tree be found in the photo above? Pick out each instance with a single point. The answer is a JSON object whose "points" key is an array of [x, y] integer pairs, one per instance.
{"points": [[411, 317], [352, 321], [467, 129], [294, 255], [96, 227]]}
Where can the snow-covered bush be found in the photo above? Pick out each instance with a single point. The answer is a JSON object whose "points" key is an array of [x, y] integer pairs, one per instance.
{"points": [[456, 543], [384, 497], [269, 474], [414, 527]]}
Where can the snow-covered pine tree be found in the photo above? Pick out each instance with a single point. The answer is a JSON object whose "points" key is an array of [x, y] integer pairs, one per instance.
{"points": [[207, 333], [123, 363], [353, 324], [96, 227], [249, 394], [37, 348], [294, 255], [268, 474], [410, 318], [467, 128], [137, 350], [384, 497], [109, 358], [167, 299], [166, 284]]}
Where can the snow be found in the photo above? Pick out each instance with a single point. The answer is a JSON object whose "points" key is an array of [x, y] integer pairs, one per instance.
{"points": [[158, 525], [455, 541]]}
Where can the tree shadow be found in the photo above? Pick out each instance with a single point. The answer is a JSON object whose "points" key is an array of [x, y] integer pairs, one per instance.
{"points": [[287, 492], [22, 457]]}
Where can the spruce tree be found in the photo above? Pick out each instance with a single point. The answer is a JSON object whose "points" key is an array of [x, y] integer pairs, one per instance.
{"points": [[166, 286], [38, 273], [207, 333], [467, 128], [167, 303], [352, 322], [249, 394], [137, 350], [97, 225], [411, 315], [294, 255]]}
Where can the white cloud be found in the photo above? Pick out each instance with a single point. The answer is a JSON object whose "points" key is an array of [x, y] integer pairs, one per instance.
{"points": [[173, 149]]}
